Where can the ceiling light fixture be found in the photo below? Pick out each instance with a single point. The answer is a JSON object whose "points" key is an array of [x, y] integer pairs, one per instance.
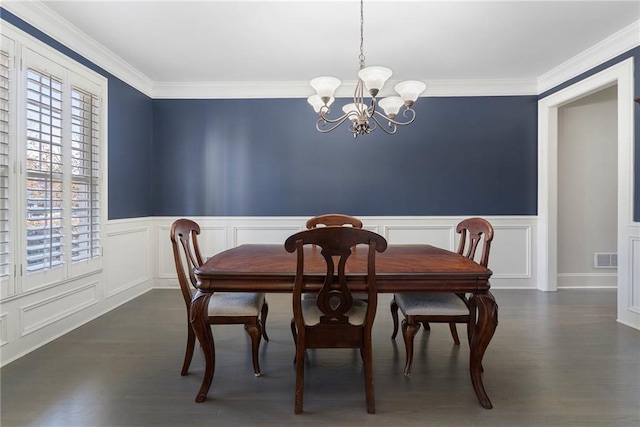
{"points": [[365, 119]]}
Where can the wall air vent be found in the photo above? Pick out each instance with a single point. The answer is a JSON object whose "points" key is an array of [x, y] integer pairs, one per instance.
{"points": [[605, 260]]}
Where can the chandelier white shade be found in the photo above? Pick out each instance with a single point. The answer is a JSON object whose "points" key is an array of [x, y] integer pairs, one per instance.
{"points": [[317, 103], [391, 105], [365, 118], [325, 86], [374, 78]]}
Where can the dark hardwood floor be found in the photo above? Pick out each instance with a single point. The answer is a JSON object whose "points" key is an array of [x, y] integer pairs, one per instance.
{"points": [[557, 359]]}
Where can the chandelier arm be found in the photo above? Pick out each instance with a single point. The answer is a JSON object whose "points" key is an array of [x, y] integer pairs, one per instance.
{"points": [[338, 120], [323, 121], [374, 125], [389, 128], [372, 107], [408, 113]]}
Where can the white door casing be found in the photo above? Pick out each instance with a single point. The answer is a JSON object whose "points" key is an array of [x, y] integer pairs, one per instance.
{"points": [[621, 75]]}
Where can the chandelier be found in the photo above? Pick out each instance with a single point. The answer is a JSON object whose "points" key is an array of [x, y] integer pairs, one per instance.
{"points": [[364, 119]]}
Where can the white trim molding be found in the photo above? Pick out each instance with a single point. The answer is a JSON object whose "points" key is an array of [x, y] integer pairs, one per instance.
{"points": [[617, 44], [237, 90], [620, 74], [36, 13]]}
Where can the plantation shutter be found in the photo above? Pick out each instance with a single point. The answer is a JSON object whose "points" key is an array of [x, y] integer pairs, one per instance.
{"points": [[4, 166], [85, 162], [44, 172]]}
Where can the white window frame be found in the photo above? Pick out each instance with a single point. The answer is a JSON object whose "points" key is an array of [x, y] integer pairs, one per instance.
{"points": [[31, 53]]}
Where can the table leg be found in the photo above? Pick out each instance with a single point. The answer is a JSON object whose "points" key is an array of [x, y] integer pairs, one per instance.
{"points": [[199, 318], [482, 325]]}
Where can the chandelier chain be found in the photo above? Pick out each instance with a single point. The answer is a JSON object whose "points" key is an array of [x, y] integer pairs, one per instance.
{"points": [[361, 57]]}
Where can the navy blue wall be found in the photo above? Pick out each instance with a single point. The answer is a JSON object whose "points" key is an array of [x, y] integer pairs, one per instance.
{"points": [[264, 157], [130, 135], [130, 152]]}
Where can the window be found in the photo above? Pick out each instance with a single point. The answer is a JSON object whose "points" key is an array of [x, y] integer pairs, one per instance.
{"points": [[44, 172], [55, 197], [85, 166]]}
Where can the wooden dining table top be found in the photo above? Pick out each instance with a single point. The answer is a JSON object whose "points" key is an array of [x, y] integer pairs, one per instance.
{"points": [[413, 267]]}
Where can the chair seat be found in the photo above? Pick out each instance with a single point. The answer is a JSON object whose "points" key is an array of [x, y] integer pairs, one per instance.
{"points": [[236, 304], [312, 313], [431, 303]]}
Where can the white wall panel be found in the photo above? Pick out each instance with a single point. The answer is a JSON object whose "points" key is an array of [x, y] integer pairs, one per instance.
{"points": [[212, 240], [4, 331], [634, 289], [47, 311], [511, 252], [127, 263], [263, 234], [440, 236]]}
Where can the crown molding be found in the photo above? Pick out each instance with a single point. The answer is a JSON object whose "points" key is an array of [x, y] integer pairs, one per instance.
{"points": [[504, 87], [297, 89], [617, 44], [230, 90], [44, 19]]}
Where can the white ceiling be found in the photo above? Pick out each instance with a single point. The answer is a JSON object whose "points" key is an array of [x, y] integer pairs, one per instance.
{"points": [[294, 41]]}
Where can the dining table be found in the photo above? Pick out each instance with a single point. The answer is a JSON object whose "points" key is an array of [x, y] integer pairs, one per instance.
{"points": [[401, 268]]}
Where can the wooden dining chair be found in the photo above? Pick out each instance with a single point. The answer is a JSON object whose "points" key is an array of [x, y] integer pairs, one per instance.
{"points": [[334, 319], [333, 220], [249, 309], [441, 307]]}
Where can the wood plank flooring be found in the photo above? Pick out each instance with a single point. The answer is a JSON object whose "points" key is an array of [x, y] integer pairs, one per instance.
{"points": [[557, 359]]}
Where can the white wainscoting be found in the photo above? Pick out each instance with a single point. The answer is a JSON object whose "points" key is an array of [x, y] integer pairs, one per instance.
{"points": [[512, 250], [34, 317], [138, 256]]}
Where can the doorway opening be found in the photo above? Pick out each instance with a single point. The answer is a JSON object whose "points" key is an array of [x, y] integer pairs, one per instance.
{"points": [[587, 191]]}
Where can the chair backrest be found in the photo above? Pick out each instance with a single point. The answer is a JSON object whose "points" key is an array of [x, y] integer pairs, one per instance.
{"points": [[333, 220], [186, 254], [472, 232], [334, 298]]}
